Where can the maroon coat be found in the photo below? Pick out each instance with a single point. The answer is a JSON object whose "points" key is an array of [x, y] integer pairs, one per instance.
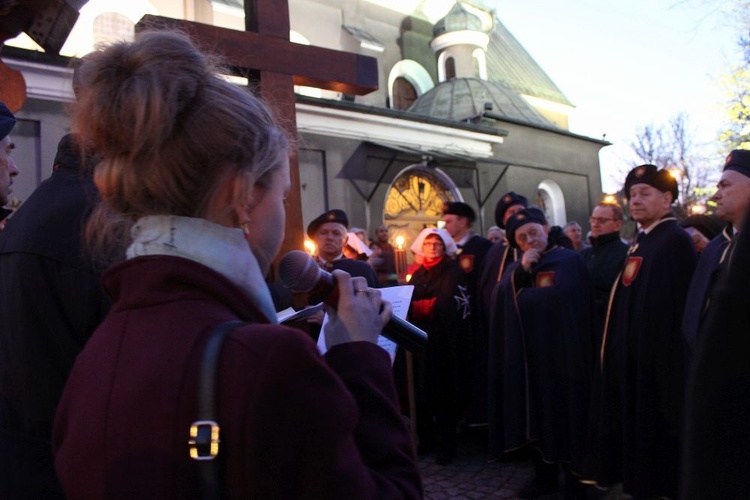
{"points": [[294, 424]]}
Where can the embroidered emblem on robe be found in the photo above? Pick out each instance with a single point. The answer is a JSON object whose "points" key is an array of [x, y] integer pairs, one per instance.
{"points": [[632, 267], [466, 262], [462, 302], [545, 279]]}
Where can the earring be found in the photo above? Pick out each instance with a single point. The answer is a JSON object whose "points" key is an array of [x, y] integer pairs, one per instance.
{"points": [[245, 226]]}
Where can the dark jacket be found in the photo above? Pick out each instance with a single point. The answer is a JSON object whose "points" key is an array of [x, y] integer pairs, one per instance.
{"points": [[51, 301], [294, 424], [603, 260]]}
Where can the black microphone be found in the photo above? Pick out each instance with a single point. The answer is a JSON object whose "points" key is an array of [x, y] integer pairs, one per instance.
{"points": [[300, 273]]}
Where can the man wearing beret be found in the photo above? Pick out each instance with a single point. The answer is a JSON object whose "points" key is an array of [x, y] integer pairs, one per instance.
{"points": [[472, 248], [497, 260], [541, 356], [501, 255], [716, 451], [8, 168], [328, 231], [732, 200], [51, 300], [642, 354]]}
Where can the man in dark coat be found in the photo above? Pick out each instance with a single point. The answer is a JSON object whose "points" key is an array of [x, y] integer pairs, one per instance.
{"points": [[501, 255], [328, 231], [604, 257], [472, 248], [732, 199], [8, 168], [716, 452], [50, 303], [541, 344], [642, 355]]}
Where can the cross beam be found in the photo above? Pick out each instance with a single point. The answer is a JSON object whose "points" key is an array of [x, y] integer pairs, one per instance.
{"points": [[263, 52]]}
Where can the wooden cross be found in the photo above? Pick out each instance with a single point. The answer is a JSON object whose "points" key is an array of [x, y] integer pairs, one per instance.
{"points": [[264, 52]]}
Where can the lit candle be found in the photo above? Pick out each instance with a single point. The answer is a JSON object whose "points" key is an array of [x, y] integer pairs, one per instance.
{"points": [[309, 247], [400, 260]]}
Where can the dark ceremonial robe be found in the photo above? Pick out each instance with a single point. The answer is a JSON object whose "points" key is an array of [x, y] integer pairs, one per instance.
{"points": [[603, 260], [496, 263], [51, 301], [716, 453], [643, 372], [541, 358], [355, 268], [440, 306], [294, 424], [470, 257], [704, 279]]}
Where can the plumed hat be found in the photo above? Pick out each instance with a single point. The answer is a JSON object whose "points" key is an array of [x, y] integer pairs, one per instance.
{"points": [[334, 215], [450, 245], [460, 209], [739, 161], [651, 175], [521, 218], [7, 121], [508, 200]]}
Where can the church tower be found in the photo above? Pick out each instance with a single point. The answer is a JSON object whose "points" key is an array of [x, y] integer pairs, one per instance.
{"points": [[460, 44]]}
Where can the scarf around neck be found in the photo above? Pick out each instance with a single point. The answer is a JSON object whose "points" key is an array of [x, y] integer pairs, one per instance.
{"points": [[222, 249]]}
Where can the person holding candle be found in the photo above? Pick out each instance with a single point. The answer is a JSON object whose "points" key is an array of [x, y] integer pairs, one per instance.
{"points": [[440, 306]]}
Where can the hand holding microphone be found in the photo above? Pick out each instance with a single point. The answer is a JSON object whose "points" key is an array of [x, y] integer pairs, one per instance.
{"points": [[360, 314], [300, 273]]}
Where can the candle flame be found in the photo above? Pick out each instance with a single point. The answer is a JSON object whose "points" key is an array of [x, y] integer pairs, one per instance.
{"points": [[310, 247], [400, 242]]}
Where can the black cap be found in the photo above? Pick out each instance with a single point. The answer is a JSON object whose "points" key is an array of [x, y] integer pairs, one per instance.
{"points": [[739, 161], [7, 121], [334, 215], [651, 175], [460, 209], [520, 218], [507, 201]]}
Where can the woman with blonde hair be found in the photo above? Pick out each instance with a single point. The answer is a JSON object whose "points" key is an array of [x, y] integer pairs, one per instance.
{"points": [[198, 169]]}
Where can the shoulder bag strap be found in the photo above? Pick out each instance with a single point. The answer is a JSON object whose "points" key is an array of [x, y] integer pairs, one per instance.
{"points": [[204, 432]]}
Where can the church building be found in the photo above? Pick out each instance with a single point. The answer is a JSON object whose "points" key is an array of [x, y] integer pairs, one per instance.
{"points": [[463, 112]]}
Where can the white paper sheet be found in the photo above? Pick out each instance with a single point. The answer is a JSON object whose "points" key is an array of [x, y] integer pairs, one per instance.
{"points": [[400, 299]]}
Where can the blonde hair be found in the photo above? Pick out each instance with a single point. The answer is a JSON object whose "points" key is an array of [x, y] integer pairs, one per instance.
{"points": [[174, 136]]}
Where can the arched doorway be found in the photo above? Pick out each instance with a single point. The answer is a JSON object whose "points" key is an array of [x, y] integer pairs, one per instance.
{"points": [[415, 201], [550, 198]]}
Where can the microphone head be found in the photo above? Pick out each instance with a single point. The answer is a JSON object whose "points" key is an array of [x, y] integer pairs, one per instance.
{"points": [[298, 271]]}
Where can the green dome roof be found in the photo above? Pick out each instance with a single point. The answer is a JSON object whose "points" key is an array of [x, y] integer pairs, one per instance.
{"points": [[464, 99], [458, 19]]}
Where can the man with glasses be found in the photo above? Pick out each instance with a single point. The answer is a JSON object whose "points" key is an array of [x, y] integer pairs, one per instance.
{"points": [[604, 257]]}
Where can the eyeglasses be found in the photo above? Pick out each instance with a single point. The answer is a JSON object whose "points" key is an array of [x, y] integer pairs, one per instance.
{"points": [[432, 244], [599, 220]]}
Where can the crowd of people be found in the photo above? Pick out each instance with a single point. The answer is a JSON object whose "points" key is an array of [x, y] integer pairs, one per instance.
{"points": [[608, 364]]}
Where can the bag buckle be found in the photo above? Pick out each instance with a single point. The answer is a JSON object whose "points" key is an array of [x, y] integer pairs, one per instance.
{"points": [[204, 440]]}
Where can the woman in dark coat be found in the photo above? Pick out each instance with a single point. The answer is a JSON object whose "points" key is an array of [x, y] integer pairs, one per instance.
{"points": [[440, 307], [199, 169]]}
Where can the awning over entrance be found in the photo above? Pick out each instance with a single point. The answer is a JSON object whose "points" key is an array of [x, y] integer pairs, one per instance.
{"points": [[378, 162]]}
